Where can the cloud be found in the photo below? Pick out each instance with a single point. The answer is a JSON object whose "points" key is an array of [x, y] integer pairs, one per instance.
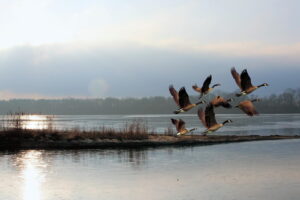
{"points": [[253, 49], [129, 71], [224, 27], [137, 48]]}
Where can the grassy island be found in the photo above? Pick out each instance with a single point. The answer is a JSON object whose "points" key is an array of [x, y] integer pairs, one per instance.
{"points": [[133, 137]]}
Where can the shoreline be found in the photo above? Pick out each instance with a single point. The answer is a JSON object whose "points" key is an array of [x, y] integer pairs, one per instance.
{"points": [[153, 141]]}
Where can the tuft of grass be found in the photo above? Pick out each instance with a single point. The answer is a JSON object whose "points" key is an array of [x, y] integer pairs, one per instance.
{"points": [[131, 131], [169, 131], [14, 120], [13, 130]]}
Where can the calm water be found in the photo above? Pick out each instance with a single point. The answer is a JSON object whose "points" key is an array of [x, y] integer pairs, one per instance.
{"points": [[267, 170], [264, 124]]}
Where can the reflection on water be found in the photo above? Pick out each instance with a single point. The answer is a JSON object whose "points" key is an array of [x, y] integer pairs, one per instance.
{"points": [[256, 170], [32, 175], [27, 121], [32, 171], [34, 122], [132, 157]]}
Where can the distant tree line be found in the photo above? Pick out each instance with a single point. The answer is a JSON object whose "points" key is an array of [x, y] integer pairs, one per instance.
{"points": [[286, 102]]}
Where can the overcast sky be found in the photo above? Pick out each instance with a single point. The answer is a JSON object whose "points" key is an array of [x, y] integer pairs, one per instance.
{"points": [[136, 48]]}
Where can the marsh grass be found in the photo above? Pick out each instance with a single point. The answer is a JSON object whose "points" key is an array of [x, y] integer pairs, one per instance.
{"points": [[13, 121], [169, 131], [13, 129], [131, 131], [133, 135]]}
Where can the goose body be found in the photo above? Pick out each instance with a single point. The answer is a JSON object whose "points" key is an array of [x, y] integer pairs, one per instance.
{"points": [[248, 107], [180, 127], [220, 101], [244, 82], [205, 89], [182, 100], [213, 128], [208, 119]]}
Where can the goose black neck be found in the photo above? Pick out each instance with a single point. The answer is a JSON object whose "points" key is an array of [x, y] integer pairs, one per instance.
{"points": [[200, 102], [215, 85], [225, 122], [261, 85]]}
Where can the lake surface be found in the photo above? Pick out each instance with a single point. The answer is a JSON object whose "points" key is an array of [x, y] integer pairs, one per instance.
{"points": [[268, 170], [264, 124]]}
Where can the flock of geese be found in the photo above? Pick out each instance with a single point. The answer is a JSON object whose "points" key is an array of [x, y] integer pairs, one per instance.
{"points": [[207, 117]]}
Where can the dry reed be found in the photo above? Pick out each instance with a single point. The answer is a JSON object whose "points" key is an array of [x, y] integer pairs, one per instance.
{"points": [[14, 130]]}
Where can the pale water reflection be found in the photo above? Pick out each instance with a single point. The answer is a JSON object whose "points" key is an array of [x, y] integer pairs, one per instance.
{"points": [[266, 170], [24, 121], [34, 122], [32, 171]]}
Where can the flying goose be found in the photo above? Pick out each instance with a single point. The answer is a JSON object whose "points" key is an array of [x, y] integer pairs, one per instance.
{"points": [[209, 120], [182, 100], [180, 127], [220, 101], [205, 87], [244, 82], [248, 107]]}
